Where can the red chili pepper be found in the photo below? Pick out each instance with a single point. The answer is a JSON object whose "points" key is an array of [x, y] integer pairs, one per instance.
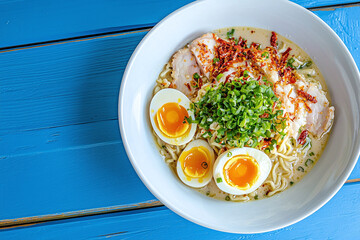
{"points": [[307, 96], [302, 138], [273, 39], [265, 115]]}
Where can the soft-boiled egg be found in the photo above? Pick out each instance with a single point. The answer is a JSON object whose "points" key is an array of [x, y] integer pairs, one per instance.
{"points": [[168, 110], [241, 170], [194, 166]]}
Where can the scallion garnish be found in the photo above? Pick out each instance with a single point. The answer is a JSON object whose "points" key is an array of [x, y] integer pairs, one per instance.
{"points": [[246, 73], [256, 197], [301, 169], [196, 76], [237, 108], [311, 154], [309, 162], [219, 180], [291, 182], [305, 65], [230, 34], [265, 54], [227, 198], [215, 60], [229, 154], [290, 63], [218, 77]]}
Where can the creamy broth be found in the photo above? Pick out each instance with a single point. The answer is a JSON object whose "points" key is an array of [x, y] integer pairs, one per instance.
{"points": [[307, 156]]}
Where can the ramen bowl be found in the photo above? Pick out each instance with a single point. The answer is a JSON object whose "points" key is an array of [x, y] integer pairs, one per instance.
{"points": [[316, 188]]}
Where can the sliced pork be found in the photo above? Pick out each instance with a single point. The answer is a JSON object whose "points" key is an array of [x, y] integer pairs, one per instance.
{"points": [[184, 67]]}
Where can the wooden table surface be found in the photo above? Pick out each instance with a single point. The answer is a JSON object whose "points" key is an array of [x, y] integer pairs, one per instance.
{"points": [[64, 171]]}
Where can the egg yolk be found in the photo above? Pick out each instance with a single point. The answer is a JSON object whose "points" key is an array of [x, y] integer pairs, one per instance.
{"points": [[170, 119], [241, 171], [195, 162]]}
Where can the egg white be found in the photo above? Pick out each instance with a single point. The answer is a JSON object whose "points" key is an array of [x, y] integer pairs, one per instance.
{"points": [[166, 96], [194, 182], [264, 169]]}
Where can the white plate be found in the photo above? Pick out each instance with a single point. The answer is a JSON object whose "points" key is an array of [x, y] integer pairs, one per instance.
{"points": [[300, 26]]}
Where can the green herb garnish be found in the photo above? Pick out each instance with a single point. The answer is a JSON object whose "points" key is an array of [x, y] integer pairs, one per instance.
{"points": [[219, 180], [291, 182], [301, 169], [265, 54], [290, 63], [218, 77], [246, 73], [196, 76], [305, 65], [309, 162], [230, 34], [215, 60], [256, 197], [307, 143], [311, 154], [229, 154], [237, 108], [227, 198], [207, 193]]}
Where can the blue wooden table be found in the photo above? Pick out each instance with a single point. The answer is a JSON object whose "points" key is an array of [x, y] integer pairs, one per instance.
{"points": [[64, 173]]}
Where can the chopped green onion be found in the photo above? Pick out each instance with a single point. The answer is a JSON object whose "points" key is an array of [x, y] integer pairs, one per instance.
{"points": [[218, 77], [311, 154], [309, 162], [229, 154], [227, 198], [246, 73], [301, 169], [207, 135], [219, 180], [305, 65], [265, 54], [307, 143], [291, 182], [237, 108], [256, 197], [196, 76], [207, 193], [215, 60], [290, 63], [230, 34]]}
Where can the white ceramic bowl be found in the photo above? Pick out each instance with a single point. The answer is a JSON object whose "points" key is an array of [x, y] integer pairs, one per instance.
{"points": [[311, 34]]}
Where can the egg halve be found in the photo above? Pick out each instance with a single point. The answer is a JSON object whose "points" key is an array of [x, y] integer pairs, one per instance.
{"points": [[181, 171], [261, 158], [163, 97]]}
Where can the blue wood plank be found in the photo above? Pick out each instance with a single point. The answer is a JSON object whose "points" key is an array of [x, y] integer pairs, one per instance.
{"points": [[62, 84], [322, 3], [338, 219], [58, 129], [67, 169], [26, 22], [346, 23]]}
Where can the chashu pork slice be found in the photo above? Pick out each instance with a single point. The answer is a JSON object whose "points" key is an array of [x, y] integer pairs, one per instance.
{"points": [[184, 67], [321, 117], [203, 49]]}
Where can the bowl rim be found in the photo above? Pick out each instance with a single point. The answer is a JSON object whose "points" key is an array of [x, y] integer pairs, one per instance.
{"points": [[169, 205]]}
